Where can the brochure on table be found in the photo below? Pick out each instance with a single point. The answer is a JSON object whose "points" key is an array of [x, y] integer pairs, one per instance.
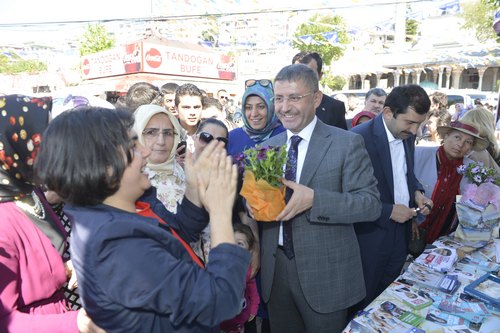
{"points": [[440, 298]]}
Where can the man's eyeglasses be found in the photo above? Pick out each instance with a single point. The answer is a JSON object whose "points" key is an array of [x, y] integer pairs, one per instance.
{"points": [[291, 98], [262, 82], [207, 138], [152, 133]]}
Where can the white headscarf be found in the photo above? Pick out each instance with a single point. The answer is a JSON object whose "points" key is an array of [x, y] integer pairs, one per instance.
{"points": [[143, 115]]}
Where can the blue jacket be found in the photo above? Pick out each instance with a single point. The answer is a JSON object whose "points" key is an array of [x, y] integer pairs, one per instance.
{"points": [[136, 277]]}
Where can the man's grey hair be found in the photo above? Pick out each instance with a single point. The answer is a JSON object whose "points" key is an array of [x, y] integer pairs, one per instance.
{"points": [[299, 72], [375, 91]]}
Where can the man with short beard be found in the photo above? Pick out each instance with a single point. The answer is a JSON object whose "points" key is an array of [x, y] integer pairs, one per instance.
{"points": [[390, 142]]}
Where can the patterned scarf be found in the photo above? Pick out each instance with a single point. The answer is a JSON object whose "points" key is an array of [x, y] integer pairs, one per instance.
{"points": [[443, 196], [22, 122]]}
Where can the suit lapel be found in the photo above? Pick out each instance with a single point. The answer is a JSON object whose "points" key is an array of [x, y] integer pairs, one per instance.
{"points": [[382, 147], [316, 151]]}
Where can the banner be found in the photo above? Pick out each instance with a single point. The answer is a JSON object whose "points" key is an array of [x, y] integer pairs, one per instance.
{"points": [[159, 58], [165, 59]]}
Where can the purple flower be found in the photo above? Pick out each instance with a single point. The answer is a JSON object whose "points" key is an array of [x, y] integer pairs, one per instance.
{"points": [[240, 161], [262, 154], [476, 169], [477, 179], [265, 163], [461, 169]]}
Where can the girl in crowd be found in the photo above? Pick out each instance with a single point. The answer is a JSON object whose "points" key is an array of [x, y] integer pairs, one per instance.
{"points": [[436, 169], [134, 277], [159, 131], [208, 130], [259, 120], [244, 237], [32, 238]]}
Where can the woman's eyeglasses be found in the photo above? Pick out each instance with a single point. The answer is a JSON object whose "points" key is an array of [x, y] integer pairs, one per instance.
{"points": [[153, 133], [207, 138], [262, 82]]}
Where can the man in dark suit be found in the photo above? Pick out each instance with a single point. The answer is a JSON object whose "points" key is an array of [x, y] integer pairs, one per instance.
{"points": [[330, 111], [390, 141], [310, 264]]}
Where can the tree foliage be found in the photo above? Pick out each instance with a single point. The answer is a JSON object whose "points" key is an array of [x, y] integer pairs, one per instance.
{"points": [[316, 27], [411, 27], [478, 16], [333, 82], [211, 34], [13, 64], [95, 39]]}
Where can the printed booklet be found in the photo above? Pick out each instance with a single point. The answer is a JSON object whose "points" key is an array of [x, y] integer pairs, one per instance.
{"points": [[487, 289], [427, 277], [409, 296], [440, 259], [387, 318]]}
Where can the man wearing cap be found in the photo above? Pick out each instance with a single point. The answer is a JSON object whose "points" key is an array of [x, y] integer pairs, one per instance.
{"points": [[390, 142], [436, 169]]}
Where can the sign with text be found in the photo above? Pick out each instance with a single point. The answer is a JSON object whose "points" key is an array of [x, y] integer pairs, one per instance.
{"points": [[158, 58], [118, 61], [164, 59]]}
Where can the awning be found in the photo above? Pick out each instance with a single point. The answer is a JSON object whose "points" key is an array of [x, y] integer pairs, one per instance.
{"points": [[122, 83]]}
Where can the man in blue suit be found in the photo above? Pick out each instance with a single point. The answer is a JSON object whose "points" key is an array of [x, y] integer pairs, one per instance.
{"points": [[390, 142]]}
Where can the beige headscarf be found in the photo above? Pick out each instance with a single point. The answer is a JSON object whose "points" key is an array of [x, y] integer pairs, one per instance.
{"points": [[142, 116]]}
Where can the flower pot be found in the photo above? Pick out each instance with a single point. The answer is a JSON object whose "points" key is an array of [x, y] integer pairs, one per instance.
{"points": [[266, 201]]}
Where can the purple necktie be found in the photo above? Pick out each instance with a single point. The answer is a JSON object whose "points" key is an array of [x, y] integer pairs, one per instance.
{"points": [[290, 174]]}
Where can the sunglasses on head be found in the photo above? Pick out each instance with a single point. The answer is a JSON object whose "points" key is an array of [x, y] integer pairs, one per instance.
{"points": [[262, 82], [207, 138]]}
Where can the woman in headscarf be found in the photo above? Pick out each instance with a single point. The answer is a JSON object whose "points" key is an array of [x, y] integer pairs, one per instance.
{"points": [[159, 131], [259, 124], [32, 239], [259, 120], [436, 169]]}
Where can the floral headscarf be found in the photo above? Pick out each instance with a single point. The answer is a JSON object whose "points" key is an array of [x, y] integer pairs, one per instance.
{"points": [[143, 115], [22, 122], [266, 93]]}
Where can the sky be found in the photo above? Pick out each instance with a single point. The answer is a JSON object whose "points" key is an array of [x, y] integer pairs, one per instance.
{"points": [[30, 11], [21, 19]]}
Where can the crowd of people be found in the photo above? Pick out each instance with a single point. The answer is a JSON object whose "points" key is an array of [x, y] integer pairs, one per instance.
{"points": [[159, 239]]}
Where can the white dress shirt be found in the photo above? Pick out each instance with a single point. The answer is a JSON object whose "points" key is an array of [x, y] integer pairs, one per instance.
{"points": [[305, 134], [399, 169]]}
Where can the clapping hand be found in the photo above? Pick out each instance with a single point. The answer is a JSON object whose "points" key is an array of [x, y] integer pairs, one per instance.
{"points": [[217, 183], [217, 191], [200, 168]]}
